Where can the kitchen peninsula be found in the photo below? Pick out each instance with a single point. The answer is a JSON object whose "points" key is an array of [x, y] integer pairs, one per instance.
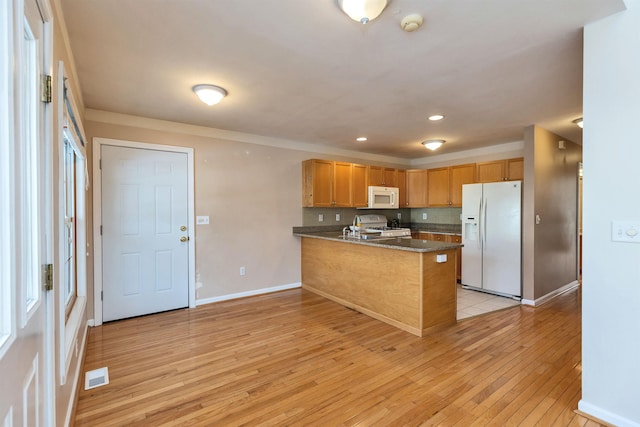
{"points": [[407, 283]]}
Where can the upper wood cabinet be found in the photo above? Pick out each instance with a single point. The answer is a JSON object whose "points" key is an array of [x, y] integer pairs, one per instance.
{"points": [[359, 184], [383, 177], [445, 184], [458, 176], [402, 188], [416, 192], [438, 187], [500, 170], [326, 183]]}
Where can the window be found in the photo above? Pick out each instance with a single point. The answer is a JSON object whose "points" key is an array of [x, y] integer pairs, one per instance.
{"points": [[71, 162], [29, 167]]}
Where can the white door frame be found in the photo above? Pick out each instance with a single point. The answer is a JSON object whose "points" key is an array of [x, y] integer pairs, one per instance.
{"points": [[97, 216]]}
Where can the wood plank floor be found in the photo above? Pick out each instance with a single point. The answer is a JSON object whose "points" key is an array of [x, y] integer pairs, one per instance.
{"points": [[294, 358]]}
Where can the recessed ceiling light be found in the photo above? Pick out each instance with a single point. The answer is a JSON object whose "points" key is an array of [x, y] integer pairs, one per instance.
{"points": [[361, 139], [433, 144], [436, 117], [578, 122]]}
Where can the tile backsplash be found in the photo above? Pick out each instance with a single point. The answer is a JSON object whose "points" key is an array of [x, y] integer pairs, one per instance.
{"points": [[437, 215], [310, 216]]}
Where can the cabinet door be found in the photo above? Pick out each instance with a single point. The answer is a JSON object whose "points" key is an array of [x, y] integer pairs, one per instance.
{"points": [[458, 176], [402, 187], [438, 187], [515, 169], [390, 177], [317, 183], [359, 183], [453, 238], [490, 171], [341, 184], [416, 188], [376, 175]]}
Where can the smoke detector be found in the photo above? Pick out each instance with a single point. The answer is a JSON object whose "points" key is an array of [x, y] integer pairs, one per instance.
{"points": [[411, 23]]}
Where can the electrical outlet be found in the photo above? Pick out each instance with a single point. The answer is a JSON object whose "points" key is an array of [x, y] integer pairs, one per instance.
{"points": [[320, 218], [243, 271], [399, 215], [337, 217], [424, 215]]}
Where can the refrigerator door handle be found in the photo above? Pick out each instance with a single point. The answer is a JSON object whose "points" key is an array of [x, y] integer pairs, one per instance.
{"points": [[484, 224], [479, 240]]}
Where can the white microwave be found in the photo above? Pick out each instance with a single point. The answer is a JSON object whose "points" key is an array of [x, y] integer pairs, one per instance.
{"points": [[383, 197]]}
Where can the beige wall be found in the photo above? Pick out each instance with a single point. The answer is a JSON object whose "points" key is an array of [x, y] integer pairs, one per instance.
{"points": [[252, 194], [550, 191]]}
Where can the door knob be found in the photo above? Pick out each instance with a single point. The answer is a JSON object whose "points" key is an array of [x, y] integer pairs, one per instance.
{"points": [[183, 228], [184, 238]]}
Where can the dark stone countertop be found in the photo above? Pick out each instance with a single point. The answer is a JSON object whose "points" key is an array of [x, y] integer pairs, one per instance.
{"points": [[398, 243]]}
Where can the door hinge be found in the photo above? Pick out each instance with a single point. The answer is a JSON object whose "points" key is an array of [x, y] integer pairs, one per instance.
{"points": [[100, 164], [45, 95], [101, 295], [48, 277], [101, 230]]}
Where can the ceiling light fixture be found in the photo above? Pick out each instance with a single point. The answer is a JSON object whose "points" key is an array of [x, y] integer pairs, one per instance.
{"points": [[411, 23], [362, 11], [436, 117], [361, 138], [433, 144], [210, 94], [578, 122]]}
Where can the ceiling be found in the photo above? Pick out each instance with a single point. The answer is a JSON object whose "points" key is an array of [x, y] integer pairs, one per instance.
{"points": [[303, 71]]}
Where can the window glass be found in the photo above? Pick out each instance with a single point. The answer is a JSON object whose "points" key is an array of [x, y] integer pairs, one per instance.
{"points": [[71, 162], [29, 136]]}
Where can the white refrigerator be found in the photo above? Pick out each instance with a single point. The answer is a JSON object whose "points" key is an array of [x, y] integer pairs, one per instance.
{"points": [[491, 235]]}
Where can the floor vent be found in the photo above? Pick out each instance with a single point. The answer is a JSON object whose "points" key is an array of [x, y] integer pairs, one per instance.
{"points": [[96, 378]]}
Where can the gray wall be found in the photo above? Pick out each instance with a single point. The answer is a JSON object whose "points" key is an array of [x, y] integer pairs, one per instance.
{"points": [[550, 191]]}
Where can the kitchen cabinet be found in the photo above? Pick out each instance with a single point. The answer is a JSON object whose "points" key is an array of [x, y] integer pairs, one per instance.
{"points": [[359, 183], [383, 177], [402, 188], [326, 183], [500, 170], [416, 181], [445, 184], [455, 238]]}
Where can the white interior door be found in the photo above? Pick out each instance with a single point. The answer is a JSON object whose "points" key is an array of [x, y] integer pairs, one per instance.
{"points": [[145, 248], [25, 348]]}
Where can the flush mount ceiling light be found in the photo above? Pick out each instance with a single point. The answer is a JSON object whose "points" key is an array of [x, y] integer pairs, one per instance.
{"points": [[210, 94], [578, 122], [361, 139], [436, 117], [362, 11], [433, 144]]}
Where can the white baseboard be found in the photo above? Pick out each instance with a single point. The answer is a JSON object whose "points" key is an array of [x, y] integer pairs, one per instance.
{"points": [[203, 301], [91, 323], [546, 298], [604, 415]]}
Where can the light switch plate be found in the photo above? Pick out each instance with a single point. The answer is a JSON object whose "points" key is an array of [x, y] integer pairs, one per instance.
{"points": [[625, 231], [200, 220]]}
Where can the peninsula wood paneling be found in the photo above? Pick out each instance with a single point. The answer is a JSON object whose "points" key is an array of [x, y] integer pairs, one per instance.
{"points": [[387, 284]]}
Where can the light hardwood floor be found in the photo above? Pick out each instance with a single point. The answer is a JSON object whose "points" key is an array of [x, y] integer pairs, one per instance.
{"points": [[294, 358]]}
